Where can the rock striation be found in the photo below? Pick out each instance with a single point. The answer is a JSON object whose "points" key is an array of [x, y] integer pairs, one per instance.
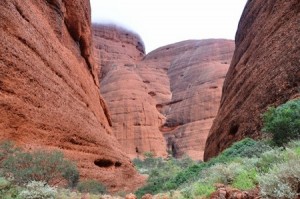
{"points": [[165, 100], [49, 88], [265, 71], [135, 119], [196, 72]]}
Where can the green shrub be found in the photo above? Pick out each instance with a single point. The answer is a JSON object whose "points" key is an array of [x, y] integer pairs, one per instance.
{"points": [[283, 122], [165, 179], [282, 181], [203, 189], [161, 172], [38, 190], [7, 148], [274, 156], [91, 186], [7, 189], [221, 173], [246, 180], [50, 167]]}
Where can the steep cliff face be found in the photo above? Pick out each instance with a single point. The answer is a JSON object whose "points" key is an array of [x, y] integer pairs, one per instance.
{"points": [[196, 73], [135, 119], [265, 71], [166, 100], [49, 95]]}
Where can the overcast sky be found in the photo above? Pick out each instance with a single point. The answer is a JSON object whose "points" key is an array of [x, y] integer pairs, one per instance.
{"points": [[162, 22]]}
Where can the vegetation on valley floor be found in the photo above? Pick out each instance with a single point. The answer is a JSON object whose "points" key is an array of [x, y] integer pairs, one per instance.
{"points": [[245, 165], [272, 165]]}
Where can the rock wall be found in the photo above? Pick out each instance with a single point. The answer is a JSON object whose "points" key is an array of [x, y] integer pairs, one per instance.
{"points": [[49, 88], [196, 73], [265, 71], [135, 119], [163, 101]]}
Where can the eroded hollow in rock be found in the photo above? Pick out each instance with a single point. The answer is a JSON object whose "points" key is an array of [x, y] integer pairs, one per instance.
{"points": [[234, 129], [151, 93], [118, 164], [213, 87], [103, 163]]}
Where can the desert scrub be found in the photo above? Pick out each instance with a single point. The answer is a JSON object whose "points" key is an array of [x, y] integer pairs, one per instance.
{"points": [[160, 173], [7, 189], [282, 181], [283, 122], [221, 173], [38, 190], [242, 155], [48, 166], [202, 189], [246, 180], [91, 186]]}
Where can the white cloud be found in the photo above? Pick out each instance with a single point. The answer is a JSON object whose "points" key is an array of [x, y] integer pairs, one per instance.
{"points": [[162, 22]]}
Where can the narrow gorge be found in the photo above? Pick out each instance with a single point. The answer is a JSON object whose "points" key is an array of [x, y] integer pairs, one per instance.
{"points": [[164, 101]]}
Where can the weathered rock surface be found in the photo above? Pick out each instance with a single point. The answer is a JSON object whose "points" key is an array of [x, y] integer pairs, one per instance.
{"points": [[49, 95], [173, 91], [196, 71], [227, 192], [135, 119], [265, 71]]}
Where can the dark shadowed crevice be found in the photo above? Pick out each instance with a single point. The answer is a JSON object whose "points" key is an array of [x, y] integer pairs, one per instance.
{"points": [[234, 129], [118, 164], [151, 93], [103, 163], [174, 150]]}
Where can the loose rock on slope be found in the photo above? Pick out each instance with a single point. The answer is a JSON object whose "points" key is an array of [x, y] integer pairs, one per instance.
{"points": [[265, 71], [49, 95]]}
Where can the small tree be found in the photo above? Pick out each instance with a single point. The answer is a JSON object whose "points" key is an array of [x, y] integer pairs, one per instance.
{"points": [[283, 122]]}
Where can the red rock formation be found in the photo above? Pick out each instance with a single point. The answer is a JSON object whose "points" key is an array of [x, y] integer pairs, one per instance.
{"points": [[135, 119], [227, 192], [173, 91], [265, 71], [196, 71], [49, 94]]}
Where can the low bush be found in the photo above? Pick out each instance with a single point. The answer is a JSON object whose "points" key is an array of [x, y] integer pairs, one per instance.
{"points": [[282, 181], [38, 190], [161, 172], [202, 189], [50, 167], [166, 178], [91, 186], [283, 122], [221, 173], [246, 180], [7, 189], [7, 148]]}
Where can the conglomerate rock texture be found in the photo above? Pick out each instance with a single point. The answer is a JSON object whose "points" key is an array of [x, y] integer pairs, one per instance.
{"points": [[265, 71], [163, 101], [49, 88]]}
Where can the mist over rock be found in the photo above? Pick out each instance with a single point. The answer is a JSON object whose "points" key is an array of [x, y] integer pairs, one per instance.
{"points": [[265, 71], [163, 101], [49, 88]]}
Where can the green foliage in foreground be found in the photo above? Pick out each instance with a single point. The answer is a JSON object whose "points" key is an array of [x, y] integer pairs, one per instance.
{"points": [[91, 186], [283, 122], [167, 177], [235, 167], [38, 190], [242, 164], [23, 167]]}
